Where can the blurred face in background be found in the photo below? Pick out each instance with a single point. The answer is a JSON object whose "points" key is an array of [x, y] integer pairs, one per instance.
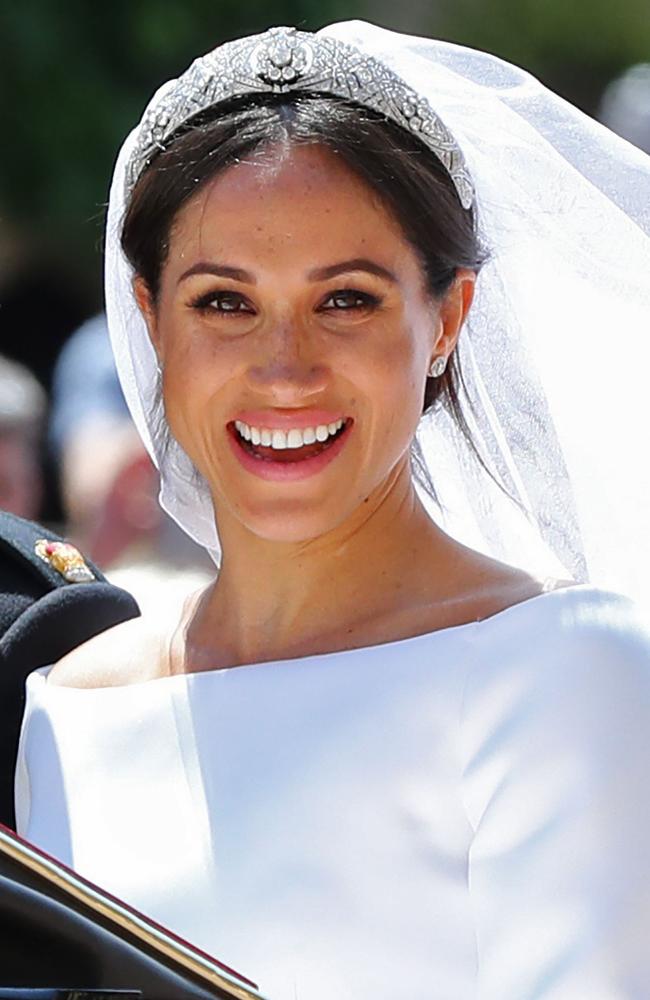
{"points": [[22, 413], [20, 477]]}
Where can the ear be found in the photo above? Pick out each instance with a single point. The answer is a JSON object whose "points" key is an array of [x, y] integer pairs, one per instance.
{"points": [[147, 307], [453, 310]]}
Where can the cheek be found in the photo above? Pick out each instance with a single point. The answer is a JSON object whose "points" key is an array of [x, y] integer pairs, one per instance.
{"points": [[395, 378], [195, 360], [194, 373]]}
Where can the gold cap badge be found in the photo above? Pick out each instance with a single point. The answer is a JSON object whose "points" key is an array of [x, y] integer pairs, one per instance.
{"points": [[65, 559]]}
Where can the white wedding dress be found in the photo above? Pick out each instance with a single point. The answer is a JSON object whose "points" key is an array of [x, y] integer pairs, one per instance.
{"points": [[457, 815]]}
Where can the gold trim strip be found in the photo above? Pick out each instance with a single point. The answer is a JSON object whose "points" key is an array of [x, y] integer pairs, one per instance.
{"points": [[136, 925]]}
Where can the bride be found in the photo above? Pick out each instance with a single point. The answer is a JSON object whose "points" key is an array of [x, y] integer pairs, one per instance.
{"points": [[366, 294]]}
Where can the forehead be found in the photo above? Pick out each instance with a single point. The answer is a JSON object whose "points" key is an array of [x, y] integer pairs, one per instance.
{"points": [[300, 198]]}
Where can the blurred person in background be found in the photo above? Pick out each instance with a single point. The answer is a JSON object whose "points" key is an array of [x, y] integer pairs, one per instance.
{"points": [[625, 107], [109, 485], [22, 414]]}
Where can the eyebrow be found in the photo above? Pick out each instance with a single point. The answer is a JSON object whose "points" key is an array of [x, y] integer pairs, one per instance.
{"points": [[317, 274], [356, 264], [220, 270]]}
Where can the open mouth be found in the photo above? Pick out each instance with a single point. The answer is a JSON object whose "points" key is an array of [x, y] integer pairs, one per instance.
{"points": [[288, 446]]}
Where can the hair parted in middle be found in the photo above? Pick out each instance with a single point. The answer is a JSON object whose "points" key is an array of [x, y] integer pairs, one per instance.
{"points": [[407, 177]]}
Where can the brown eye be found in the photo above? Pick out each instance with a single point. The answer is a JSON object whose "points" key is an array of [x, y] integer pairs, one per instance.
{"points": [[347, 299], [222, 302]]}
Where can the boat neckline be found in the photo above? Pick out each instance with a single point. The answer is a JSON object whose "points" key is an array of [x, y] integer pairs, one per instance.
{"points": [[446, 631]]}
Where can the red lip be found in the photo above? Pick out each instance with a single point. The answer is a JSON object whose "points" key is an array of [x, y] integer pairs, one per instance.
{"points": [[286, 419], [266, 468]]}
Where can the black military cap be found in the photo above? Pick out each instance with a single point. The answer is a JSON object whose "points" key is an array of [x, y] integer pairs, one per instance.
{"points": [[51, 600]]}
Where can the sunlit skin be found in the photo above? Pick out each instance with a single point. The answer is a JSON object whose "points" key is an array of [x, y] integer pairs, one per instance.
{"points": [[348, 556], [291, 345]]}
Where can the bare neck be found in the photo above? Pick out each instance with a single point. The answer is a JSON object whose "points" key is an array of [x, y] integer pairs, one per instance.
{"points": [[274, 600]]}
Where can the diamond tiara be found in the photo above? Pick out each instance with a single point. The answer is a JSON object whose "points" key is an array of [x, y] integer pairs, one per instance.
{"points": [[282, 60]]}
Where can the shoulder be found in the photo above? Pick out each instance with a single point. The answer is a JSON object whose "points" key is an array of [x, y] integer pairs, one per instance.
{"points": [[570, 669], [565, 617], [567, 636], [125, 654], [563, 654]]}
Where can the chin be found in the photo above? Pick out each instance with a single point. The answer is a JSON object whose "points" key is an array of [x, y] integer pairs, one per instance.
{"points": [[292, 524]]}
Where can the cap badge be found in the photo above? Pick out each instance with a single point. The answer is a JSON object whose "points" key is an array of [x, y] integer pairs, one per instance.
{"points": [[65, 559]]}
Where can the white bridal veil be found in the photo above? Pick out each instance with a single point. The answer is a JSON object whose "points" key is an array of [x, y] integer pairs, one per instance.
{"points": [[556, 353]]}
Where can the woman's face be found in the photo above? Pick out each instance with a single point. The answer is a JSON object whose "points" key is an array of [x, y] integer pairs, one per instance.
{"points": [[295, 332]]}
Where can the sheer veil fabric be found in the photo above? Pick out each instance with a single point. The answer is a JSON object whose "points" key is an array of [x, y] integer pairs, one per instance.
{"points": [[556, 352]]}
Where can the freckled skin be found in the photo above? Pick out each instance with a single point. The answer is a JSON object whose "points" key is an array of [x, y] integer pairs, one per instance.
{"points": [[279, 217]]}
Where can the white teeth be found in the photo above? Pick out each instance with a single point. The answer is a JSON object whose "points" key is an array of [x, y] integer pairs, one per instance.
{"points": [[294, 438]]}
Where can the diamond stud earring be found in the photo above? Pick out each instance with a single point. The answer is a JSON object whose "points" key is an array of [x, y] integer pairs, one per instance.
{"points": [[438, 366]]}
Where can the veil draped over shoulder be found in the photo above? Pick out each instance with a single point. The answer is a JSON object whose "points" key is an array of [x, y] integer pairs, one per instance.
{"points": [[556, 351]]}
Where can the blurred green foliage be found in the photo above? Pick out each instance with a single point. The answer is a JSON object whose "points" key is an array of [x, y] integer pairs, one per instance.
{"points": [[575, 46], [74, 78], [76, 75]]}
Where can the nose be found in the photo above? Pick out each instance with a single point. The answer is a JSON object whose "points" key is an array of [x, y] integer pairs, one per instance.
{"points": [[287, 365]]}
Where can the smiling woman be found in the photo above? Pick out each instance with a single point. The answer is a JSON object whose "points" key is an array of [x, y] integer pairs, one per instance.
{"points": [[370, 759], [282, 314], [389, 165]]}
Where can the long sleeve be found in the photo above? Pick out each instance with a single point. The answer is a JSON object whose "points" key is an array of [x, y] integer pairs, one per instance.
{"points": [[556, 786]]}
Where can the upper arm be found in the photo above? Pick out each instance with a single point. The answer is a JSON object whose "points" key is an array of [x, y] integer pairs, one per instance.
{"points": [[556, 743]]}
